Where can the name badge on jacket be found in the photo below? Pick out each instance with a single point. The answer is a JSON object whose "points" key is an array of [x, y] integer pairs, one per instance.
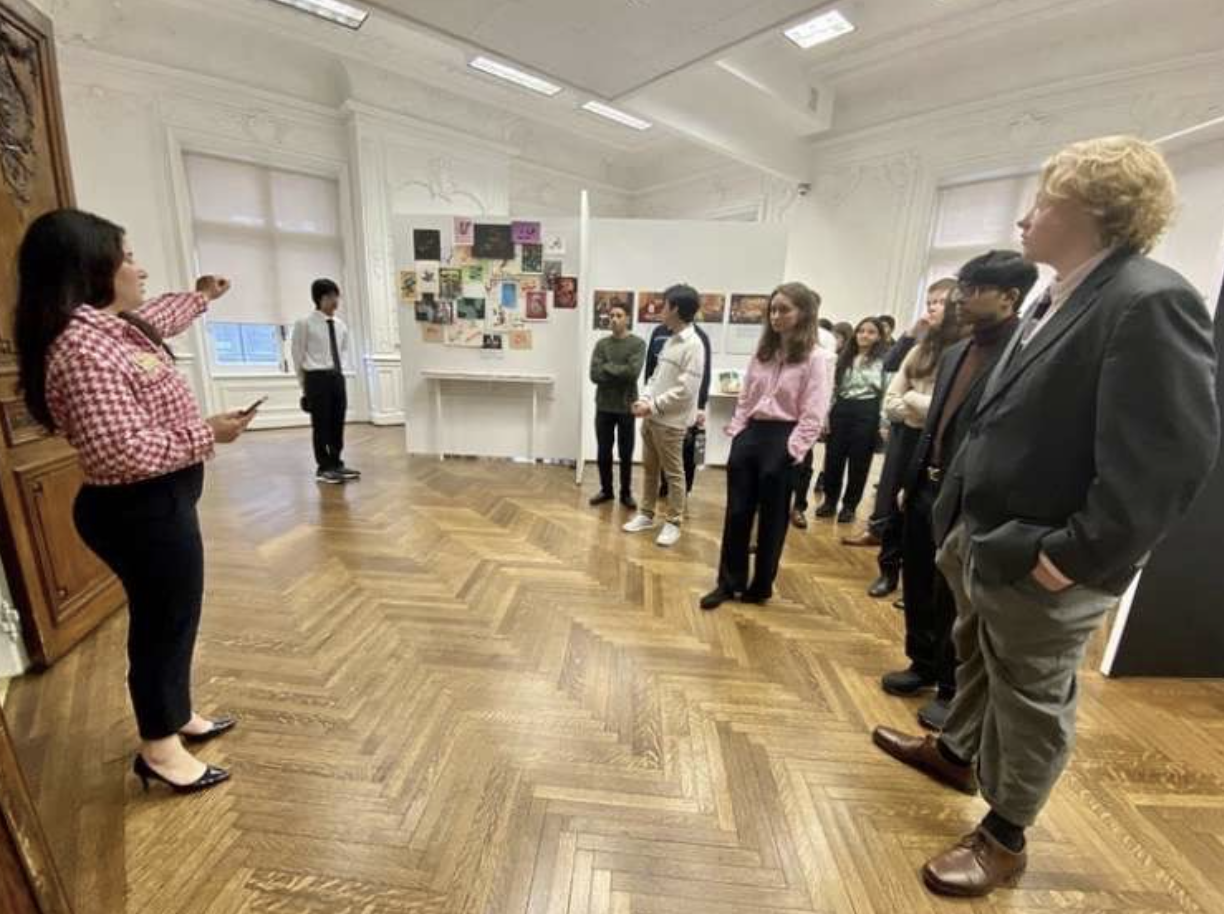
{"points": [[148, 362]]}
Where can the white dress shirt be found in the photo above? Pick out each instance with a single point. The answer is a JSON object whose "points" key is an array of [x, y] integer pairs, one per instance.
{"points": [[311, 344]]}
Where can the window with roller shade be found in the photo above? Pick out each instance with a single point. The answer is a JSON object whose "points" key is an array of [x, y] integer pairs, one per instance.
{"points": [[973, 218], [272, 232]]}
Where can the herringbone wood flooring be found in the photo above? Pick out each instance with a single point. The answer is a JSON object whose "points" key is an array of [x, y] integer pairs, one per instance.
{"points": [[462, 690]]}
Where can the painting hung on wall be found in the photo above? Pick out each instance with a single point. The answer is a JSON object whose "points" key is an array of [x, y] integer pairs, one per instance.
{"points": [[493, 341], [407, 286], [531, 258], [554, 246], [565, 292], [510, 296], [712, 308], [730, 381], [463, 235], [470, 309], [525, 232], [650, 307], [426, 244], [536, 308], [749, 309], [426, 308], [604, 302], [466, 334], [552, 269], [529, 284], [433, 333], [450, 283], [427, 278], [443, 312], [492, 242], [461, 255], [520, 339]]}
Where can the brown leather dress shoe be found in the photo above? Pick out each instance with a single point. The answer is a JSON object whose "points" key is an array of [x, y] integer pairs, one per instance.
{"points": [[976, 865], [866, 538], [921, 752]]}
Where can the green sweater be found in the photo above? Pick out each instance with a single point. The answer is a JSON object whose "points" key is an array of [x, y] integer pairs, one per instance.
{"points": [[615, 366]]}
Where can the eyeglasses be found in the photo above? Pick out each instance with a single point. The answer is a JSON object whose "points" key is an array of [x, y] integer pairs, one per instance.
{"points": [[969, 291]]}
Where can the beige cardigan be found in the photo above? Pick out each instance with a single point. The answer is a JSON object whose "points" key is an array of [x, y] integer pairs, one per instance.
{"points": [[908, 399]]}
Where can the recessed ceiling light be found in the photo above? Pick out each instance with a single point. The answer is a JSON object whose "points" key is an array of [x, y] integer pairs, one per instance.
{"points": [[510, 74], [819, 29], [614, 114], [331, 10]]}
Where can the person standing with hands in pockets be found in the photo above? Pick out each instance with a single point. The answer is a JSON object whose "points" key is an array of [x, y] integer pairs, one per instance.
{"points": [[94, 366], [781, 410]]}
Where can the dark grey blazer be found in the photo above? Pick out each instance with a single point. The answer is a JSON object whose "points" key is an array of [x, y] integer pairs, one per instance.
{"points": [[1094, 438]]}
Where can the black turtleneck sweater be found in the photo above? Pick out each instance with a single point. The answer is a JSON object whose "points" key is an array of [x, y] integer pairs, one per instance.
{"points": [[984, 349]]}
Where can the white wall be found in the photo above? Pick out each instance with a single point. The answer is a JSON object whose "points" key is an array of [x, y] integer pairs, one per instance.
{"points": [[650, 255], [1195, 245]]}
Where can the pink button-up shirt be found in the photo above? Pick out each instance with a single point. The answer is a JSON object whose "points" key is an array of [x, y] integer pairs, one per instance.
{"points": [[118, 398], [778, 391]]}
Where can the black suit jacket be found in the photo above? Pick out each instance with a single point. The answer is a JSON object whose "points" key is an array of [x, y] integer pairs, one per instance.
{"points": [[1094, 438], [945, 374]]}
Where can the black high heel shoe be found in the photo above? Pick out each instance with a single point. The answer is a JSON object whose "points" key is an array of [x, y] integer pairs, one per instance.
{"points": [[211, 777], [219, 726]]}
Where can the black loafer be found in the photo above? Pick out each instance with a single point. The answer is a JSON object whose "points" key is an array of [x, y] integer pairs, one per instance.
{"points": [[219, 726], [882, 586], [716, 598]]}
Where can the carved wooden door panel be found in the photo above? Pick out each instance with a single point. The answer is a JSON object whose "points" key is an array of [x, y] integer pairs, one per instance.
{"points": [[61, 589]]}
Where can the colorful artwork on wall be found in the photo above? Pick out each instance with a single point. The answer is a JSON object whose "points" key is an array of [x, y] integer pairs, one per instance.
{"points": [[426, 244], [749, 309], [605, 300], [650, 307], [565, 292], [492, 242], [525, 232]]}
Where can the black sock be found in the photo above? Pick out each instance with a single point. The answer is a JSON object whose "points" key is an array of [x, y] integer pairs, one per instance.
{"points": [[1009, 834], [949, 755]]}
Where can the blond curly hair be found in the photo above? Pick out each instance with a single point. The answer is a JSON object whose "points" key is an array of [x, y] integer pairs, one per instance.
{"points": [[1123, 181]]}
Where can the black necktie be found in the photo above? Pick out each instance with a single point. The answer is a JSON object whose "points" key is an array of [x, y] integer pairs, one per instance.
{"points": [[331, 338]]}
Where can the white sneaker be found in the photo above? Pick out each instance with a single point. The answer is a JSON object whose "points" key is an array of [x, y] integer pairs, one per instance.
{"points": [[639, 523], [668, 535]]}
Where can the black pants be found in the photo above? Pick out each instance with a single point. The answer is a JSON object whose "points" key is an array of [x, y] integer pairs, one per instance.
{"points": [[854, 426], [689, 455], [801, 482], [930, 608], [328, 401], [618, 426], [886, 521], [758, 487], [148, 533]]}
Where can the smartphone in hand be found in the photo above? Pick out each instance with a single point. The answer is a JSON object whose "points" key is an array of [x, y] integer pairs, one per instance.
{"points": [[254, 406]]}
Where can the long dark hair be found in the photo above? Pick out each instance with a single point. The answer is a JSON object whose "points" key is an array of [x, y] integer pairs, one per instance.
{"points": [[67, 258], [845, 358], [804, 339]]}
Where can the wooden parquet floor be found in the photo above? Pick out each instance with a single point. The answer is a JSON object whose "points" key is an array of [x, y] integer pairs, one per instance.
{"points": [[462, 690]]}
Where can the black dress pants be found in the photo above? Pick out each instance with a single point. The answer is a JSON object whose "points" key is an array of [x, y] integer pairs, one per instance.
{"points": [[148, 534], [886, 521], [328, 402], [615, 428], [801, 481], [758, 487], [930, 608], [854, 427]]}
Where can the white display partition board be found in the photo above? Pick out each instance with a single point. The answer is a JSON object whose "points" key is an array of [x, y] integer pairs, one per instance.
{"points": [[493, 403], [650, 255]]}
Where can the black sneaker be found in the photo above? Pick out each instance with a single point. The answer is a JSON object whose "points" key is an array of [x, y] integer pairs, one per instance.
{"points": [[906, 682], [331, 477], [600, 498], [348, 472]]}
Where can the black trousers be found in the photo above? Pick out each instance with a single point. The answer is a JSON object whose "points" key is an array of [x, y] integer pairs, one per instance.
{"points": [[615, 428], [148, 534], [689, 456], [886, 521], [854, 426], [801, 482], [758, 488], [328, 401], [930, 608]]}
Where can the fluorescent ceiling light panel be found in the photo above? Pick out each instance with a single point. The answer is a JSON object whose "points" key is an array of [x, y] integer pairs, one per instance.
{"points": [[510, 74], [819, 29], [331, 10], [614, 114]]}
